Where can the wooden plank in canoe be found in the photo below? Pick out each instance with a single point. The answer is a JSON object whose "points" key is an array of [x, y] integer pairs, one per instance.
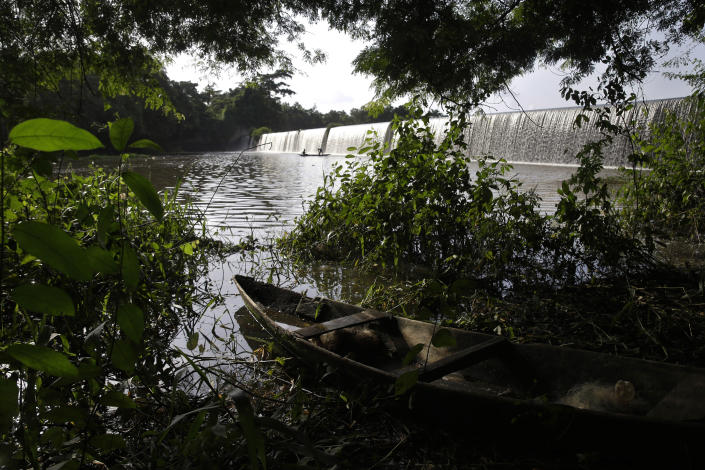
{"points": [[318, 329], [459, 360]]}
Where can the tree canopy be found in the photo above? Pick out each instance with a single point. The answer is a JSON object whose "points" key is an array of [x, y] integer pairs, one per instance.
{"points": [[124, 43], [461, 50], [470, 49]]}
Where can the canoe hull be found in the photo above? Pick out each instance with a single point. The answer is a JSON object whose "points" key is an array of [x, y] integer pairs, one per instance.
{"points": [[468, 400]]}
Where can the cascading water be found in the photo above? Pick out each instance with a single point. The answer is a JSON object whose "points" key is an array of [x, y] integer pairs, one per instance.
{"points": [[341, 138], [281, 142], [311, 140], [546, 136], [550, 136]]}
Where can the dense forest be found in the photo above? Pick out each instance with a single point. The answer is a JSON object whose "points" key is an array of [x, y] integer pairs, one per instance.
{"points": [[99, 273], [200, 120]]}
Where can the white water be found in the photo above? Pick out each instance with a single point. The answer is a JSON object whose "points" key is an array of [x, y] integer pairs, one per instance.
{"points": [[281, 141], [341, 138], [543, 136], [311, 140], [550, 136]]}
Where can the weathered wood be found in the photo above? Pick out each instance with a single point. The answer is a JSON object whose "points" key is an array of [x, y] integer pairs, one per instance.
{"points": [[525, 381], [683, 402], [459, 360], [363, 317]]}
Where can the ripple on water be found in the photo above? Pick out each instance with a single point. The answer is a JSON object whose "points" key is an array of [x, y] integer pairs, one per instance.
{"points": [[261, 194]]}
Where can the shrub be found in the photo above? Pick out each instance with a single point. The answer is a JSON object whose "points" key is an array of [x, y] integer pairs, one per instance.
{"points": [[420, 203], [667, 200], [98, 275]]}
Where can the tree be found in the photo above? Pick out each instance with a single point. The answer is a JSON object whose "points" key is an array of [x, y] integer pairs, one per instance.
{"points": [[470, 49], [122, 42]]}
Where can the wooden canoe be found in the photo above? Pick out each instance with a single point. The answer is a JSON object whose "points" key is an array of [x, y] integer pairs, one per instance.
{"points": [[536, 392]]}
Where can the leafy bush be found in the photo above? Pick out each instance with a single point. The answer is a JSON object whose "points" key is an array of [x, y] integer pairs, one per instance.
{"points": [[668, 199], [257, 133], [589, 240], [420, 203], [94, 288]]}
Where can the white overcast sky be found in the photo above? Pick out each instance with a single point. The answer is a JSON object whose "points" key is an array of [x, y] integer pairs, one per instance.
{"points": [[332, 85]]}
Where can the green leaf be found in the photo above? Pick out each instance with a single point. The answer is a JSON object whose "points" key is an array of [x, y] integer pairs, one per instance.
{"points": [[89, 370], [130, 268], [54, 247], [253, 437], [101, 261], [412, 354], [131, 321], [44, 299], [120, 132], [43, 359], [145, 192], [118, 399], [187, 248], [50, 135], [106, 222], [56, 436], [64, 414], [405, 382], [9, 406], [108, 442], [124, 355], [192, 341], [145, 144], [443, 338]]}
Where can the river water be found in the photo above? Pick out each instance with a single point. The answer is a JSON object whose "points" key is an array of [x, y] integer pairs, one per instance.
{"points": [[259, 195]]}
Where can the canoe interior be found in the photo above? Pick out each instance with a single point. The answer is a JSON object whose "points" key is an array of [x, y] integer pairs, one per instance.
{"points": [[539, 373]]}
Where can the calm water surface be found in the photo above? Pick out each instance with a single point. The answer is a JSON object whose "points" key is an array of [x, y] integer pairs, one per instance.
{"points": [[259, 195]]}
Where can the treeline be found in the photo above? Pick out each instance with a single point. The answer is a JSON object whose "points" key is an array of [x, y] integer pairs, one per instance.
{"points": [[195, 120]]}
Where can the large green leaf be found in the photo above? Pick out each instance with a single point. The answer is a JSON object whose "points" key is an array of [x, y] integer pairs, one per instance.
{"points": [[54, 247], [145, 192], [130, 268], [146, 144], [406, 382], [131, 321], [43, 359], [9, 407], [50, 135], [89, 369], [120, 132], [44, 299], [101, 261], [124, 355], [107, 222], [412, 354]]}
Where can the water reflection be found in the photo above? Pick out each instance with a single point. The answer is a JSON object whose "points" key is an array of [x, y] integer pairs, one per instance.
{"points": [[259, 195]]}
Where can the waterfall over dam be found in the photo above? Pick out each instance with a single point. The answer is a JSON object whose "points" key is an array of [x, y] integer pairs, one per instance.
{"points": [[280, 142], [546, 136]]}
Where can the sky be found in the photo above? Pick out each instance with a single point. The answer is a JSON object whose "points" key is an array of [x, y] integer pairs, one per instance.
{"points": [[332, 85]]}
